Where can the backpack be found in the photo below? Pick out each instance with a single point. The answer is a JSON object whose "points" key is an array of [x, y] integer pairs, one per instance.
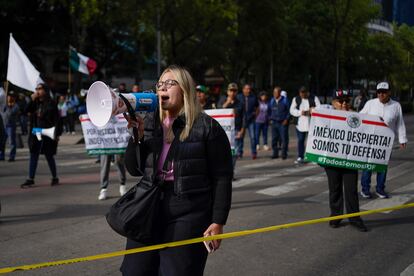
{"points": [[311, 99], [298, 100]]}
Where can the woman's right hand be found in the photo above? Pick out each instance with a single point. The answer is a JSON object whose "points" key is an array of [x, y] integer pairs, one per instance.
{"points": [[139, 124]]}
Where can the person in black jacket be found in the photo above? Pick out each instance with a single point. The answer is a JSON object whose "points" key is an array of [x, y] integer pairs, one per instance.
{"points": [[43, 113], [343, 183], [239, 120], [196, 179]]}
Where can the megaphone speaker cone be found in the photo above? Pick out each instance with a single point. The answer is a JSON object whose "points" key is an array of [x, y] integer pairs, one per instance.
{"points": [[99, 103]]}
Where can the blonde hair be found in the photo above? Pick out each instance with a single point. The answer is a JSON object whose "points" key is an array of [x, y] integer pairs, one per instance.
{"points": [[191, 107]]}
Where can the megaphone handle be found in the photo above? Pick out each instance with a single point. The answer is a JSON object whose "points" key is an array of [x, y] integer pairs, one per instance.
{"points": [[131, 112]]}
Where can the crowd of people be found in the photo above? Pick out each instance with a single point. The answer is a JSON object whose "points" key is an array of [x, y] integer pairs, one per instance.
{"points": [[255, 114], [203, 197]]}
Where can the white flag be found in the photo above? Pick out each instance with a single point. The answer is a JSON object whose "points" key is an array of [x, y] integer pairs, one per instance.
{"points": [[20, 71]]}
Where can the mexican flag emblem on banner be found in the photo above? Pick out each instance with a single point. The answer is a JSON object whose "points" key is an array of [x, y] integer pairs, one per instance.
{"points": [[82, 63]]}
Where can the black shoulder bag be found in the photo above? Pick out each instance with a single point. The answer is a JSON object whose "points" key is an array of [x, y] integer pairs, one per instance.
{"points": [[134, 214]]}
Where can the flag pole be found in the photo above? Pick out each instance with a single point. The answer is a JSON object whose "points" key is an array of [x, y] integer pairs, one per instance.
{"points": [[7, 87], [69, 73]]}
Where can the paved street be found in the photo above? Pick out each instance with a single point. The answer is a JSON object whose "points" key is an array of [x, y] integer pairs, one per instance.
{"points": [[47, 223]]}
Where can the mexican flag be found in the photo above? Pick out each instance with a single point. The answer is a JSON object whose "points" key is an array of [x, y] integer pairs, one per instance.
{"points": [[81, 63]]}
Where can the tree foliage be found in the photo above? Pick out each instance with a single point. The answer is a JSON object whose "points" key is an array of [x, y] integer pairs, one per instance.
{"points": [[267, 42]]}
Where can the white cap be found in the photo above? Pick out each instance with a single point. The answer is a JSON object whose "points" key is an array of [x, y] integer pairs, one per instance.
{"points": [[383, 86], [283, 93]]}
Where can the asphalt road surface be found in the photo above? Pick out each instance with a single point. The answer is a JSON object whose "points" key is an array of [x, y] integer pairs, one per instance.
{"points": [[47, 223]]}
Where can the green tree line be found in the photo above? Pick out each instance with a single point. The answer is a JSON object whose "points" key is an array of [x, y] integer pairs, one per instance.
{"points": [[321, 44]]}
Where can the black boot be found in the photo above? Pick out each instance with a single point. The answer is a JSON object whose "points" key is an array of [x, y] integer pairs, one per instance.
{"points": [[359, 225], [55, 181], [335, 223], [27, 184]]}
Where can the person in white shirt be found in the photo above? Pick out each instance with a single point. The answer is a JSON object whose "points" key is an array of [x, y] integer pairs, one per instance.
{"points": [[302, 107], [390, 111]]}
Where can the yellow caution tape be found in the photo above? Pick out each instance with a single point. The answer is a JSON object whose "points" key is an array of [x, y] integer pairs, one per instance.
{"points": [[197, 240]]}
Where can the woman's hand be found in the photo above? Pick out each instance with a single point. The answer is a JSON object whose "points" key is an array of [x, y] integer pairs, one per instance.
{"points": [[139, 124], [214, 229]]}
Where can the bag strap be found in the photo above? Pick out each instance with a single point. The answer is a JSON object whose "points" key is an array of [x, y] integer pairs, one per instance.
{"points": [[312, 101], [298, 100]]}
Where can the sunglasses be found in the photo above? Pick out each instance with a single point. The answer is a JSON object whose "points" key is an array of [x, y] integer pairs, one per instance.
{"points": [[382, 92]]}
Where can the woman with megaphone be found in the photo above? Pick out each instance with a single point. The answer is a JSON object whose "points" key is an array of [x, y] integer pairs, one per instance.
{"points": [[44, 115], [188, 154]]}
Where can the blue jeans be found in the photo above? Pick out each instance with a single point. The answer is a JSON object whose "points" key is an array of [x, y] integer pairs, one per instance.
{"points": [[10, 134], [301, 142], [261, 128], [279, 133], [366, 180], [240, 143], [236, 150]]}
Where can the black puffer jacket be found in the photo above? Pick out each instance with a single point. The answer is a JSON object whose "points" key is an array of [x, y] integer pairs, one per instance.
{"points": [[202, 163]]}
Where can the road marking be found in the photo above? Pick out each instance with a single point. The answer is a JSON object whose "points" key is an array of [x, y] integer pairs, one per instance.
{"points": [[399, 170], [259, 164], [247, 181], [393, 172], [72, 150], [398, 196], [89, 166], [409, 271], [76, 162], [322, 198], [292, 186]]}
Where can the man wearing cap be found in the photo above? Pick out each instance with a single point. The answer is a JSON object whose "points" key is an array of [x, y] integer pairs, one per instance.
{"points": [[202, 97], [390, 111], [231, 101]]}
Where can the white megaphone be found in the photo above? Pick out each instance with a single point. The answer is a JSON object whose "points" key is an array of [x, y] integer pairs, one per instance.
{"points": [[102, 102], [49, 132]]}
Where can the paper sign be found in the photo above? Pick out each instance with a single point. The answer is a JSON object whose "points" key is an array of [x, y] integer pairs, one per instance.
{"points": [[225, 117], [110, 139], [349, 140]]}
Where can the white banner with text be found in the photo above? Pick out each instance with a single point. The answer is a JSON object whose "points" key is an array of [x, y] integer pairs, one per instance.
{"points": [[349, 140], [110, 139]]}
